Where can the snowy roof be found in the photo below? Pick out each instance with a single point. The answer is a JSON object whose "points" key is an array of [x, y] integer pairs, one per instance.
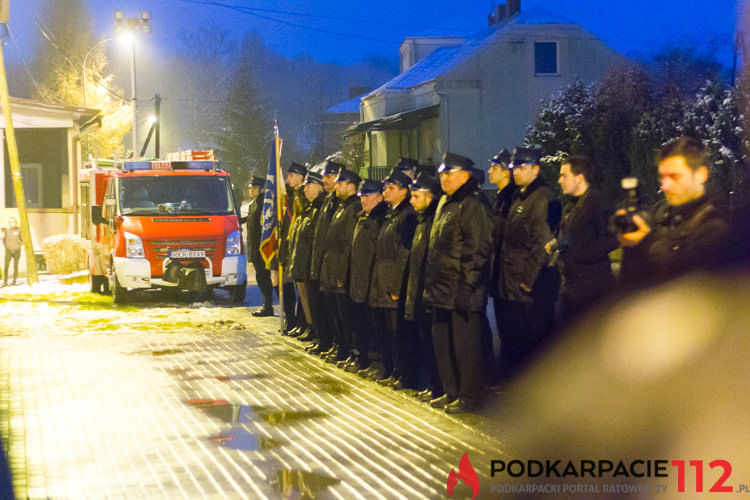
{"points": [[445, 59], [537, 15], [350, 106]]}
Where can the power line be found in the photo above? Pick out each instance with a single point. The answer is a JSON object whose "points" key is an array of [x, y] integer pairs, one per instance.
{"points": [[318, 16], [245, 10]]}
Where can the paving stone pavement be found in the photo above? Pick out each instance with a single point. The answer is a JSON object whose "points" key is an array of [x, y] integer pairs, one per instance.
{"points": [[179, 402]]}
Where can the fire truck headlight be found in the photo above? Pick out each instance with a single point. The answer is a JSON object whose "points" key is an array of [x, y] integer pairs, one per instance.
{"points": [[133, 246], [234, 244]]}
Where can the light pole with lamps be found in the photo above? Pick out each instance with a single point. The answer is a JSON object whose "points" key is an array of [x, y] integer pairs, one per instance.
{"points": [[131, 23]]}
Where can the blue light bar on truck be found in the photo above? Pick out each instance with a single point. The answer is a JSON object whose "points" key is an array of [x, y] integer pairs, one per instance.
{"points": [[136, 165]]}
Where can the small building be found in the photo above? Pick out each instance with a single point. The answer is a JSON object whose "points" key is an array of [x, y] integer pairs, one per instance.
{"points": [[477, 95], [49, 148]]}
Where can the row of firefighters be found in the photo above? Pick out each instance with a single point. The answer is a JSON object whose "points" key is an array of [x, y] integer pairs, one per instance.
{"points": [[392, 279]]}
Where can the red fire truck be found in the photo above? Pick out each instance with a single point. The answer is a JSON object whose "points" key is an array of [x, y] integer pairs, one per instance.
{"points": [[163, 225]]}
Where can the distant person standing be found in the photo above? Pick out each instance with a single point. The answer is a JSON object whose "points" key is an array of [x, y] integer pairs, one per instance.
{"points": [[12, 242], [254, 229]]}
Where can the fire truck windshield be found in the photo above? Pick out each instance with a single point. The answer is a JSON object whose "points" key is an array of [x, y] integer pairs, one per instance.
{"points": [[202, 195]]}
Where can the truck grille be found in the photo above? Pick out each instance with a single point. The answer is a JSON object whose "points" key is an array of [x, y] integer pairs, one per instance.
{"points": [[161, 248]]}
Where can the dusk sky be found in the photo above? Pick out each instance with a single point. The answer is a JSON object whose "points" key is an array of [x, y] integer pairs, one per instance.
{"points": [[345, 31]]}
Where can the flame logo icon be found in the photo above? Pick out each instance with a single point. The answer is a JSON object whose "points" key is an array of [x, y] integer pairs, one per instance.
{"points": [[466, 473]]}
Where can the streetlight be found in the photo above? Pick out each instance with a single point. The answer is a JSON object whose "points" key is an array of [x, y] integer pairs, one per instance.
{"points": [[126, 26]]}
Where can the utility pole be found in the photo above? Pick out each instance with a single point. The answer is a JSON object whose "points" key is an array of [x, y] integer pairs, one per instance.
{"points": [[15, 164], [157, 112]]}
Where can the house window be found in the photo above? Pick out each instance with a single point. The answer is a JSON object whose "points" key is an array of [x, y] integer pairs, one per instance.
{"points": [[545, 58], [31, 178]]}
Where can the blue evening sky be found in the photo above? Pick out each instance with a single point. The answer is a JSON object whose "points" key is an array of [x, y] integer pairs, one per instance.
{"points": [[346, 31]]}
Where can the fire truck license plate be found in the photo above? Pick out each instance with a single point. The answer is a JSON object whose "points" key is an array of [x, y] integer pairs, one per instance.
{"points": [[187, 254]]}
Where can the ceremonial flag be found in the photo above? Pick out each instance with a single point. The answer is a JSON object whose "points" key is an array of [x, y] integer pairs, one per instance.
{"points": [[273, 211]]}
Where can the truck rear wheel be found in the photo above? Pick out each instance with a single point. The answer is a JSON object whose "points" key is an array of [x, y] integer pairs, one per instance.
{"points": [[237, 293]]}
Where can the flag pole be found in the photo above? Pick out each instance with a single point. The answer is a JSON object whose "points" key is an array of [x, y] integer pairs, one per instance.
{"points": [[280, 218]]}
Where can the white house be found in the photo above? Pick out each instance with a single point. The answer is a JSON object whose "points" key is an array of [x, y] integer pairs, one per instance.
{"points": [[477, 95]]}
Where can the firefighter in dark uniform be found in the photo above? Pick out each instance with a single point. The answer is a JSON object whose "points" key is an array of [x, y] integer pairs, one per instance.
{"points": [[525, 234], [407, 166], [254, 229], [301, 254], [456, 275], [296, 322], [393, 335], [366, 231], [334, 271], [322, 312], [425, 195], [501, 176]]}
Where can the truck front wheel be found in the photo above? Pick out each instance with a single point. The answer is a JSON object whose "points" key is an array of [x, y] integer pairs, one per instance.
{"points": [[237, 293], [119, 294]]}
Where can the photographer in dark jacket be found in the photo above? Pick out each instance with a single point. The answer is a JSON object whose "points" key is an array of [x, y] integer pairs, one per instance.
{"points": [[583, 241], [366, 232], [525, 233], [300, 259], [455, 289], [425, 195], [323, 311], [334, 271], [388, 282], [685, 233]]}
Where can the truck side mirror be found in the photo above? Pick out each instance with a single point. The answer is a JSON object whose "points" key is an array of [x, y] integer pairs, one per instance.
{"points": [[109, 206], [96, 215]]}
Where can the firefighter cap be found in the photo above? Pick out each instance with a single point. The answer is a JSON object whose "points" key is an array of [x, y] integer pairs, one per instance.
{"points": [[348, 176], [452, 161], [370, 186], [296, 168]]}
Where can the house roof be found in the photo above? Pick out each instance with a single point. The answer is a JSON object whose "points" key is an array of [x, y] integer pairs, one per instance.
{"points": [[83, 117], [445, 59], [396, 120], [77, 111], [350, 106]]}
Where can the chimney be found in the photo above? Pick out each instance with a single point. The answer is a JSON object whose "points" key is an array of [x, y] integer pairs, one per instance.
{"points": [[503, 12], [512, 8]]}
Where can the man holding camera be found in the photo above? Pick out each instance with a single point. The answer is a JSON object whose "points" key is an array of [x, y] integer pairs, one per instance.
{"points": [[686, 232]]}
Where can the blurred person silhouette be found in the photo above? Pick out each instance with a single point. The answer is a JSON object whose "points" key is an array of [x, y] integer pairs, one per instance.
{"points": [[661, 374], [12, 242]]}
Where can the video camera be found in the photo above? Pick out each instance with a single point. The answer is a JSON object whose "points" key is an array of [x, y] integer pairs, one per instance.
{"points": [[621, 223]]}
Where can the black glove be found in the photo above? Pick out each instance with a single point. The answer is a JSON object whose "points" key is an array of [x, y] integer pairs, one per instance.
{"points": [[462, 304]]}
